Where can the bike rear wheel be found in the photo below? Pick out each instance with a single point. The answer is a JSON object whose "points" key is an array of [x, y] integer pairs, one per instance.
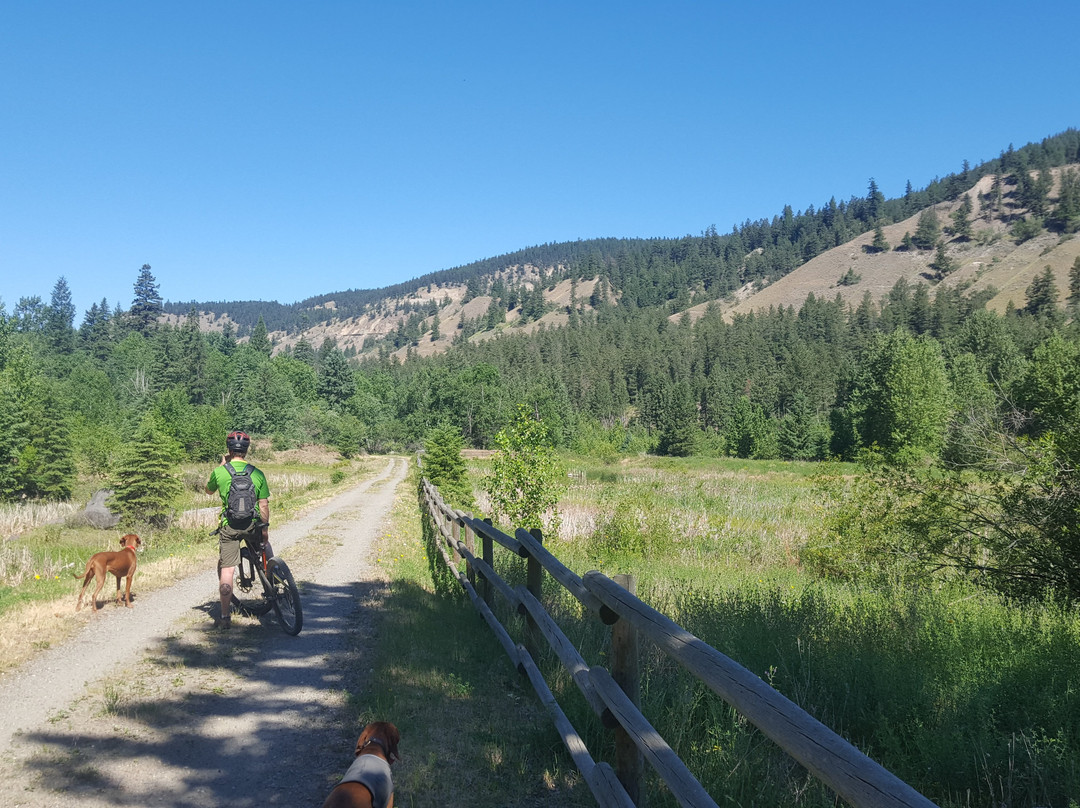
{"points": [[251, 590], [287, 598]]}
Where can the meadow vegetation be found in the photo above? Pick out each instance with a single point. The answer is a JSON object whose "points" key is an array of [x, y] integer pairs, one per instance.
{"points": [[968, 696]]}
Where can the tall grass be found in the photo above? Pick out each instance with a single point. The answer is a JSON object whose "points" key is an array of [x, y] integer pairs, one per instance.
{"points": [[970, 699], [19, 517]]}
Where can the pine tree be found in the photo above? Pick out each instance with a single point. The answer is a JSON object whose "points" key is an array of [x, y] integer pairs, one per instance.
{"points": [[59, 319], [193, 359], [1042, 295], [678, 422], [942, 263], [147, 306], [259, 340], [928, 230], [145, 480], [445, 467], [336, 384], [95, 333], [874, 200], [879, 244], [961, 219], [303, 352], [1074, 282]]}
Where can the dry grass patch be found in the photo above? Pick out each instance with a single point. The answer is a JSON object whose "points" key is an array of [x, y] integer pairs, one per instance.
{"points": [[19, 517]]}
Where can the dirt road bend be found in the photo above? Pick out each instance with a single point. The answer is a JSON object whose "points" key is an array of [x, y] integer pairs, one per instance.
{"points": [[152, 706]]}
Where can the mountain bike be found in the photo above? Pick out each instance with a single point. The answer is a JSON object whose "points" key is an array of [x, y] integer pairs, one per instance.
{"points": [[276, 588]]}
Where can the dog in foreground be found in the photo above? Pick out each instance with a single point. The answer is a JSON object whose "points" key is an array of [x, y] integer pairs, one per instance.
{"points": [[121, 564], [367, 783]]}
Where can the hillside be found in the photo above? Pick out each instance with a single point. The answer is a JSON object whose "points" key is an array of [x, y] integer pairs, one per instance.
{"points": [[990, 260], [1020, 214]]}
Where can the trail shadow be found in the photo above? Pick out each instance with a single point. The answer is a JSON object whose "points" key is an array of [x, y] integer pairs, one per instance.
{"points": [[218, 717]]}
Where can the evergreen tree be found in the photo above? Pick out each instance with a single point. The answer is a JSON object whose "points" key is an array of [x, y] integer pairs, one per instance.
{"points": [[1042, 295], [879, 243], [1066, 218], [678, 429], [59, 319], [192, 360], [336, 383], [304, 352], [942, 263], [48, 463], [802, 434], [445, 467], [928, 231], [961, 219], [260, 341], [228, 338], [95, 333], [145, 480], [146, 306], [1074, 282], [874, 201]]}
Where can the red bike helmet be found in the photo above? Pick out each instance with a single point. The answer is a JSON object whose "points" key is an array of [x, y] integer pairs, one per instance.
{"points": [[238, 442]]}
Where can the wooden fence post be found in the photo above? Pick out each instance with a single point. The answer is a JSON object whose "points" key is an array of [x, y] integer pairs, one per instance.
{"points": [[629, 761], [455, 532], [534, 582], [470, 545], [489, 559]]}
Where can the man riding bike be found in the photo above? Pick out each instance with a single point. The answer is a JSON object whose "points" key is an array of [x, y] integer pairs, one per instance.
{"points": [[254, 530]]}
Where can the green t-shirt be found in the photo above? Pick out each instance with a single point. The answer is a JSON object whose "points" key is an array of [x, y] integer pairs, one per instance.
{"points": [[220, 480]]}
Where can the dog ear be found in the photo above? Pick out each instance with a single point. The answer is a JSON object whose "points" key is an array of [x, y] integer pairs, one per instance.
{"points": [[393, 737]]}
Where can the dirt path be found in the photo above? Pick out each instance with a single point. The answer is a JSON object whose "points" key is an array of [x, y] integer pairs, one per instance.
{"points": [[151, 706]]}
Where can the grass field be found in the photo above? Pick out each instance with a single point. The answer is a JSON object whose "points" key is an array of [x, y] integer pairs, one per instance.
{"points": [[972, 700]]}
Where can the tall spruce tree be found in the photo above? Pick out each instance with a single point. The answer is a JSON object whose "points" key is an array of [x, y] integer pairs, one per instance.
{"points": [[146, 307], [59, 319], [260, 340]]}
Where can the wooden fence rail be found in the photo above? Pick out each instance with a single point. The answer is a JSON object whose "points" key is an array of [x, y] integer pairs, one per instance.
{"points": [[857, 779]]}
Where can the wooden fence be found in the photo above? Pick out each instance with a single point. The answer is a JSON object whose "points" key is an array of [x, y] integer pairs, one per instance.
{"points": [[613, 696]]}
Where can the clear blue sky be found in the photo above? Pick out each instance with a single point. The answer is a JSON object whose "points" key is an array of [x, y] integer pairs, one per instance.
{"points": [[278, 150]]}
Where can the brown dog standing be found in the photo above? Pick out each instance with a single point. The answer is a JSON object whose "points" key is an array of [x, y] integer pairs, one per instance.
{"points": [[121, 563], [367, 783]]}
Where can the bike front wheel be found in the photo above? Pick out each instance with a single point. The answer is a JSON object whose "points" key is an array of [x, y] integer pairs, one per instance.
{"points": [[287, 598]]}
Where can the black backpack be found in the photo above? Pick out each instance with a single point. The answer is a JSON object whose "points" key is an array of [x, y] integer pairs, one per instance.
{"points": [[241, 504]]}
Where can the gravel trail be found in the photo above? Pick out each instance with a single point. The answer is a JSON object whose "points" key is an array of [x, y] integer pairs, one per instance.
{"points": [[152, 706]]}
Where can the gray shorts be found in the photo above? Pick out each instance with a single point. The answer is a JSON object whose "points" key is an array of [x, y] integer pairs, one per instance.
{"points": [[229, 542]]}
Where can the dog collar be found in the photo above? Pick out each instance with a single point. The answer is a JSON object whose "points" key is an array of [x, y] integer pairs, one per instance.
{"points": [[377, 742]]}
